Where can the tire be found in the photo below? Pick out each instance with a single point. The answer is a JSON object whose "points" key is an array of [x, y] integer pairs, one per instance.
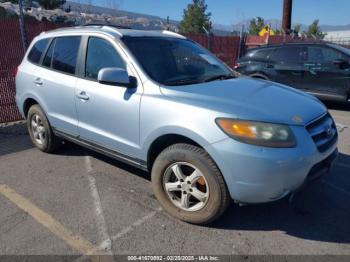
{"points": [[262, 77], [39, 127], [214, 193]]}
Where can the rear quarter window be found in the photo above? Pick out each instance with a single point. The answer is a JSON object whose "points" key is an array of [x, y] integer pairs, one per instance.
{"points": [[37, 51]]}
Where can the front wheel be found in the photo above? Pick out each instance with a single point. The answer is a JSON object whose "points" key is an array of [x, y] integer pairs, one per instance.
{"points": [[188, 184]]}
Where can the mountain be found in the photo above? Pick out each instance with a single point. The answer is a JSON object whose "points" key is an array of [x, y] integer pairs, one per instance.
{"points": [[78, 13], [277, 24], [328, 28]]}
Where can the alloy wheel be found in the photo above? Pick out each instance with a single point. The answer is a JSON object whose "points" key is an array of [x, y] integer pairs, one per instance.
{"points": [[186, 186], [38, 129]]}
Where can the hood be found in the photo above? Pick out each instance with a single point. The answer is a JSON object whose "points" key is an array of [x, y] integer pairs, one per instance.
{"points": [[251, 99]]}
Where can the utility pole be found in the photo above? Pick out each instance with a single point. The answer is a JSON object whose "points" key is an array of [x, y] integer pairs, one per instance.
{"points": [[287, 16], [207, 32], [22, 26]]}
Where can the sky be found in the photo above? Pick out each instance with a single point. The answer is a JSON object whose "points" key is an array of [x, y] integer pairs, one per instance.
{"points": [[228, 12]]}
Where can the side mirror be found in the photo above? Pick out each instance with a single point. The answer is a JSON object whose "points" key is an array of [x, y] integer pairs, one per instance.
{"points": [[341, 63], [116, 77]]}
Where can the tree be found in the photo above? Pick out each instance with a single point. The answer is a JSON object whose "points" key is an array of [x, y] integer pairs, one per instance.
{"points": [[51, 4], [256, 25], [195, 18], [297, 28], [315, 31]]}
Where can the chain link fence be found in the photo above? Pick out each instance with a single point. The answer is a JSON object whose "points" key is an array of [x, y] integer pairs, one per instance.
{"points": [[227, 48], [11, 54]]}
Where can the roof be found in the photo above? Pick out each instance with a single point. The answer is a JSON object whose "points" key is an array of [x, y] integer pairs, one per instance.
{"points": [[290, 43], [111, 30]]}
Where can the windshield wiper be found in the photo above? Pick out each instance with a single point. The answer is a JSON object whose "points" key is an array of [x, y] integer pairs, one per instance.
{"points": [[190, 81], [182, 82], [219, 77]]}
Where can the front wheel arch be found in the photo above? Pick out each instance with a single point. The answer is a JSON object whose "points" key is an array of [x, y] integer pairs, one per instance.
{"points": [[162, 143]]}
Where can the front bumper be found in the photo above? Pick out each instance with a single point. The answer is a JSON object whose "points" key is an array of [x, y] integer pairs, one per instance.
{"points": [[258, 174], [318, 170]]}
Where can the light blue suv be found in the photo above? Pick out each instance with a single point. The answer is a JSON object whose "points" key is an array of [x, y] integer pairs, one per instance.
{"points": [[161, 102]]}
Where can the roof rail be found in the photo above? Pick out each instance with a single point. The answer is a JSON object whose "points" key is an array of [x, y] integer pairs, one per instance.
{"points": [[167, 32], [107, 24]]}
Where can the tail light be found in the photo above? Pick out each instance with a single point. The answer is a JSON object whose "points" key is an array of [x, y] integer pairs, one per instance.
{"points": [[237, 65]]}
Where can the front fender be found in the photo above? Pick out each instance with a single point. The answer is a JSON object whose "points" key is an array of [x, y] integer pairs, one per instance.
{"points": [[171, 130]]}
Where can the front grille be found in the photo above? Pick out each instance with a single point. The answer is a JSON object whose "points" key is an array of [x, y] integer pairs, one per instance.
{"points": [[323, 132]]}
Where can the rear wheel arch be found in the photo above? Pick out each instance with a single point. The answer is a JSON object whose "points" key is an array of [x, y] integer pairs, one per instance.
{"points": [[28, 103]]}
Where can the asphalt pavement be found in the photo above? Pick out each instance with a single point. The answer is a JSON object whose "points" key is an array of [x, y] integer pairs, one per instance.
{"points": [[77, 202]]}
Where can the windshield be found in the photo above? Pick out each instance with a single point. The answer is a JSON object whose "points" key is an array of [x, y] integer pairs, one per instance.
{"points": [[342, 49], [173, 61]]}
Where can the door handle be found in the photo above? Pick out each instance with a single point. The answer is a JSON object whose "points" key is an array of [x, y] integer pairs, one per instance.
{"points": [[83, 96], [38, 81], [270, 66]]}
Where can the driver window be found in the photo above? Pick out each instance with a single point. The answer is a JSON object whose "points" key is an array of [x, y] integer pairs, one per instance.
{"points": [[101, 54], [318, 54]]}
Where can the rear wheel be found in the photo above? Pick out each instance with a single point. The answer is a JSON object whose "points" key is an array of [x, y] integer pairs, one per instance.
{"points": [[188, 184], [40, 130]]}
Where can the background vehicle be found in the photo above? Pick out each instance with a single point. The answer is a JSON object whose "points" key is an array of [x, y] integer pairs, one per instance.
{"points": [[160, 102], [320, 69]]}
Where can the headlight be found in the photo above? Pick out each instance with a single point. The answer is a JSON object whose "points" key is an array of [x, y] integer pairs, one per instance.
{"points": [[258, 133]]}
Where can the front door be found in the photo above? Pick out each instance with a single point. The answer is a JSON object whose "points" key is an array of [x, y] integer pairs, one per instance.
{"points": [[108, 115], [324, 77]]}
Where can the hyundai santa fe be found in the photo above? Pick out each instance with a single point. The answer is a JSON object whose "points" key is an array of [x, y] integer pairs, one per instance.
{"points": [[159, 101]]}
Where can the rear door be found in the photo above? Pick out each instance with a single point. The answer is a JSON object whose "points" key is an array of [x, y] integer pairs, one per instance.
{"points": [[56, 80], [287, 65], [27, 79], [323, 77]]}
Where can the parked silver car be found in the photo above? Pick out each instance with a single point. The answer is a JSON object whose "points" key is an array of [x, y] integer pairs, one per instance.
{"points": [[161, 102]]}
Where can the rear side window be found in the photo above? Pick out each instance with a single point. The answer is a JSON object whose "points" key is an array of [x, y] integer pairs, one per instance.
{"points": [[37, 51], [288, 54], [101, 54], [65, 54]]}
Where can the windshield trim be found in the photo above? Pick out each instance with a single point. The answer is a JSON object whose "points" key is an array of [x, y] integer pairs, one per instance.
{"points": [[341, 49]]}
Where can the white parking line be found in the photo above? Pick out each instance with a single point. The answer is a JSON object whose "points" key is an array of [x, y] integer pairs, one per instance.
{"points": [[88, 164], [137, 223], [76, 241], [340, 127], [101, 222]]}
